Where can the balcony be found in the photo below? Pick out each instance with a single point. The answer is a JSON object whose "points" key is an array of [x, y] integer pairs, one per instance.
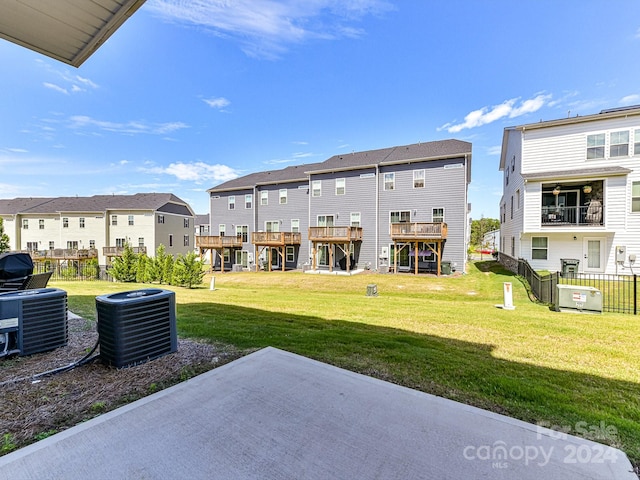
{"points": [[584, 216], [276, 239], [412, 231], [118, 251], [218, 242], [335, 234], [64, 254]]}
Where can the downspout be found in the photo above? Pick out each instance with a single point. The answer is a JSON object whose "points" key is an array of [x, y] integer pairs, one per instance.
{"points": [[377, 239]]}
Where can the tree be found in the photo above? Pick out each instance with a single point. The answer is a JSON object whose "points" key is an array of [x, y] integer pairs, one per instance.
{"points": [[4, 238], [188, 270], [124, 268], [479, 228]]}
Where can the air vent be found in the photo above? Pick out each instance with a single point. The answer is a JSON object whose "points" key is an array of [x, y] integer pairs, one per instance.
{"points": [[136, 326], [33, 321]]}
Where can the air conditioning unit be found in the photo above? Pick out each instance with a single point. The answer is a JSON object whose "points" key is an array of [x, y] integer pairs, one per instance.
{"points": [[136, 326], [33, 321], [578, 298]]}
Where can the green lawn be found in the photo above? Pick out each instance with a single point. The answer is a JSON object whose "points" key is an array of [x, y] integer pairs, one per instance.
{"points": [[440, 335]]}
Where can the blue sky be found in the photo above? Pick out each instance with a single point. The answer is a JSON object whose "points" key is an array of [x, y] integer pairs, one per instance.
{"points": [[187, 95]]}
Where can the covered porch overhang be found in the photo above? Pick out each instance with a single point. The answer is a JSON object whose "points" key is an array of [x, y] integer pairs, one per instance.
{"points": [[278, 241], [335, 237], [217, 243], [412, 234]]}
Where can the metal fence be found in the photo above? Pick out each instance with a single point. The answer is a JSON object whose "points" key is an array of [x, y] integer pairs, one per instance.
{"points": [[73, 270], [619, 292]]}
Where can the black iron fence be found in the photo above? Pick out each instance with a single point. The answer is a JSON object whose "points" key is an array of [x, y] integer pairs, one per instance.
{"points": [[619, 292], [72, 270]]}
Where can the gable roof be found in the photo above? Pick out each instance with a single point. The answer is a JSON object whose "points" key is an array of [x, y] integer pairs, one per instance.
{"points": [[418, 152], [69, 31], [161, 202]]}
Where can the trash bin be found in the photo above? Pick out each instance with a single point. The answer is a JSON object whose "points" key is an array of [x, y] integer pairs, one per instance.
{"points": [[445, 268], [569, 267]]}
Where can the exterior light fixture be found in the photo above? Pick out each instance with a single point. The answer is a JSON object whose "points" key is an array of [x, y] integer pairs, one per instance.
{"points": [[556, 191]]}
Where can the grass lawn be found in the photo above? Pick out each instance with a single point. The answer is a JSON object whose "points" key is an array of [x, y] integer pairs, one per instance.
{"points": [[443, 335]]}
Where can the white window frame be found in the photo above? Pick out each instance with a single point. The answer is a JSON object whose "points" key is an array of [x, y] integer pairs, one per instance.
{"points": [[248, 201], [186, 241], [621, 147], [434, 216], [596, 145], [222, 229], [282, 195], [264, 197], [636, 141], [25, 224], [231, 202], [406, 214], [295, 225], [316, 188], [341, 186], [114, 220], [355, 218], [419, 178], [635, 197], [81, 222], [243, 232], [389, 181], [140, 242], [538, 248], [272, 226], [130, 220], [290, 254], [65, 222], [41, 224]]}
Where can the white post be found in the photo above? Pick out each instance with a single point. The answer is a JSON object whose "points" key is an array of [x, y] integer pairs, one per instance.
{"points": [[508, 296], [212, 285]]}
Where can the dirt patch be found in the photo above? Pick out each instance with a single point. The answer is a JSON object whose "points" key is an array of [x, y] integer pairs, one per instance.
{"points": [[34, 408]]}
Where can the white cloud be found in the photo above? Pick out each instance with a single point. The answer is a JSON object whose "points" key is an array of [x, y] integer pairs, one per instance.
{"points": [[507, 109], [56, 88], [220, 102], [197, 172], [133, 127], [495, 150], [265, 27], [630, 99]]}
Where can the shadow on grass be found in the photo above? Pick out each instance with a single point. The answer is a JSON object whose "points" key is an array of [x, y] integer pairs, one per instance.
{"points": [[491, 266], [463, 371]]}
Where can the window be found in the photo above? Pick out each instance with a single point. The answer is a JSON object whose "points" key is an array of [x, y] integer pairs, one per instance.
{"points": [[291, 254], [418, 178], [355, 219], [114, 220], [160, 218], [283, 196], [248, 201], [390, 181], [41, 224], [222, 229], [52, 245], [539, 248], [511, 214], [272, 226], [619, 144], [226, 255], [25, 224], [141, 241], [130, 219], [513, 246], [32, 246], [185, 222], [72, 244], [92, 244], [186, 240], [316, 188], [232, 202], [264, 198], [295, 225], [65, 222], [400, 217], [635, 197], [170, 240], [636, 145], [340, 186], [518, 199], [437, 215], [81, 222], [121, 242], [243, 231], [325, 220], [595, 146]]}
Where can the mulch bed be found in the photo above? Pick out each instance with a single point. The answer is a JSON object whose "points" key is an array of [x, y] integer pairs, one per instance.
{"points": [[34, 408]]}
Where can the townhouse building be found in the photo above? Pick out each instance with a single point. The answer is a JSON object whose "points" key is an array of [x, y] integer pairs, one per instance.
{"points": [[403, 207], [571, 192], [98, 226]]}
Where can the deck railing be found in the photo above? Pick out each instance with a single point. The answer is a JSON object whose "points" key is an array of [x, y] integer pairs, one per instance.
{"points": [[335, 234], [587, 216], [418, 230], [218, 241], [276, 238], [118, 251], [64, 254]]}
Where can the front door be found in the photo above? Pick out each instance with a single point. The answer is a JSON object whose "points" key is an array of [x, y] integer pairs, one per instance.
{"points": [[593, 259]]}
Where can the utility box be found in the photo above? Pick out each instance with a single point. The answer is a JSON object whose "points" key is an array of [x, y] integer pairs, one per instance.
{"points": [[445, 267], [569, 267], [578, 298]]}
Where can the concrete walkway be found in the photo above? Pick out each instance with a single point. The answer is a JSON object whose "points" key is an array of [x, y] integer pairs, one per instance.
{"points": [[275, 415]]}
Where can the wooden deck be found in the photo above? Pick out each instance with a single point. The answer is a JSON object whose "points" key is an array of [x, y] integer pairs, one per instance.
{"points": [[64, 254], [276, 239], [335, 234], [218, 242], [411, 231], [118, 251]]}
